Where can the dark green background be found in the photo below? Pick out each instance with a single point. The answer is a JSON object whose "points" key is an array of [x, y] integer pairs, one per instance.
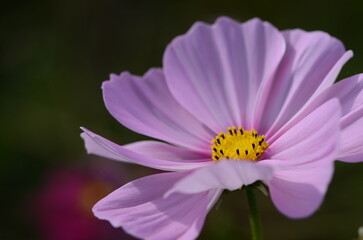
{"points": [[55, 55]]}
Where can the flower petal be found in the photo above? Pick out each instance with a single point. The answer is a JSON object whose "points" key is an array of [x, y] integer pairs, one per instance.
{"points": [[217, 71], [151, 154], [153, 112], [298, 191], [168, 152], [225, 174], [310, 65], [140, 209], [352, 137], [305, 154], [314, 138], [350, 94]]}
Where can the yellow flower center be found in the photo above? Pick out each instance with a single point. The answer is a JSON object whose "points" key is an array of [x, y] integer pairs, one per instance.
{"points": [[238, 144]]}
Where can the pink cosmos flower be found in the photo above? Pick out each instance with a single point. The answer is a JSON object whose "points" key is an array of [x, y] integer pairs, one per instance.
{"points": [[264, 97], [61, 209]]}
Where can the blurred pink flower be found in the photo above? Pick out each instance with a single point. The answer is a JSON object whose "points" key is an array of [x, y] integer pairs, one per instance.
{"points": [[267, 100], [63, 206]]}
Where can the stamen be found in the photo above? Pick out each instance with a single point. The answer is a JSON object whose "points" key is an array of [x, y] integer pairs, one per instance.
{"points": [[241, 130]]}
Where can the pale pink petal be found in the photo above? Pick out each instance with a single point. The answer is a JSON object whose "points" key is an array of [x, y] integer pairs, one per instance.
{"points": [[195, 229], [217, 72], [145, 105], [352, 136], [225, 174], [314, 138], [305, 155], [298, 191], [349, 92], [168, 152], [141, 210], [310, 65], [155, 155]]}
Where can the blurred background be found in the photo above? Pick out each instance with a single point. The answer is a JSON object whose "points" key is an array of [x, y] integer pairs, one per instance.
{"points": [[54, 57]]}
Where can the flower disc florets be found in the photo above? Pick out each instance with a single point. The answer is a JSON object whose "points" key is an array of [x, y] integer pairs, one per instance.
{"points": [[238, 144]]}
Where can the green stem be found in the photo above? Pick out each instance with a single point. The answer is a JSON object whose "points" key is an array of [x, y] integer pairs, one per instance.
{"points": [[254, 218]]}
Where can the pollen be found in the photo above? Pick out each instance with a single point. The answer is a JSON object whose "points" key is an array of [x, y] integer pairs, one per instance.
{"points": [[238, 144]]}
